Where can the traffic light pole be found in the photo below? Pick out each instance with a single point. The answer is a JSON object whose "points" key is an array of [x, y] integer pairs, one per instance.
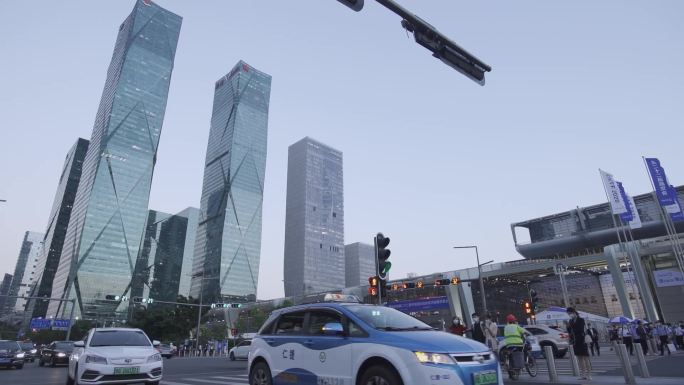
{"points": [[73, 306], [377, 266]]}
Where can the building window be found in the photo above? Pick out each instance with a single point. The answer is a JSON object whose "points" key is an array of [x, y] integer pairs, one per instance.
{"points": [[334, 215], [314, 208]]}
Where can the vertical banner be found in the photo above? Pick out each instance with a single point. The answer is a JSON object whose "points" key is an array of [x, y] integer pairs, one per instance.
{"points": [[676, 215], [662, 187], [614, 198], [635, 223], [627, 216]]}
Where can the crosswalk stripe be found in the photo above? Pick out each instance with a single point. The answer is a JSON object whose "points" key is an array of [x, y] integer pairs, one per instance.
{"points": [[213, 381]]}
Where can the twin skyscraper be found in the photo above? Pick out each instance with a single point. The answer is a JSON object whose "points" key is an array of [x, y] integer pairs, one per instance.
{"points": [[103, 242]]}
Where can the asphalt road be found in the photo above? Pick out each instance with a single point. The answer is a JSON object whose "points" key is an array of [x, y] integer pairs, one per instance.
{"points": [[177, 371]]}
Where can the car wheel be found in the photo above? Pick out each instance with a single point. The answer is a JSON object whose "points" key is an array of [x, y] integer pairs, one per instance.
{"points": [[71, 381], [40, 362], [52, 362], [380, 375], [560, 354], [20, 366], [232, 356], [260, 375], [553, 347]]}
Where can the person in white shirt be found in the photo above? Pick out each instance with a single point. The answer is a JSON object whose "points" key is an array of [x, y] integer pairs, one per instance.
{"points": [[679, 335], [627, 339]]}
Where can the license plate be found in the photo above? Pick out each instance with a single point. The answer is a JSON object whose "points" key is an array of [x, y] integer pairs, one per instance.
{"points": [[485, 378], [127, 370]]}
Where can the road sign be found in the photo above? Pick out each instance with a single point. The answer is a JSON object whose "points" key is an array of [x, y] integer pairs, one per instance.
{"points": [[60, 324], [41, 323]]}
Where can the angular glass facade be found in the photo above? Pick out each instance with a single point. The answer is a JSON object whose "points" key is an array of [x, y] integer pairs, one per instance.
{"points": [[314, 219], [192, 215], [57, 226], [228, 244], [25, 271], [4, 290], [110, 210], [359, 264]]}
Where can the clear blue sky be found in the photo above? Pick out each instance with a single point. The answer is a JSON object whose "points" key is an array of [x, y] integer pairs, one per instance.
{"points": [[575, 86]]}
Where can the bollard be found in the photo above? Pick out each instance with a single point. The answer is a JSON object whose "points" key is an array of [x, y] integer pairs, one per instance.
{"points": [[642, 363], [573, 362], [653, 345], [551, 364], [626, 364]]}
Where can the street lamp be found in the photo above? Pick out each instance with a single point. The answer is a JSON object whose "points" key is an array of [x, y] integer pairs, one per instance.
{"points": [[479, 274]]}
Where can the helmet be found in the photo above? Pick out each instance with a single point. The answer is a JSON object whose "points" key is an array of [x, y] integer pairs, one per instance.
{"points": [[510, 318]]}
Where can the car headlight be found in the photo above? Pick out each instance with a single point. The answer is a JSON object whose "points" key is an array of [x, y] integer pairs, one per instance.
{"points": [[61, 355], [34, 351], [19, 355], [154, 358], [434, 358], [95, 359]]}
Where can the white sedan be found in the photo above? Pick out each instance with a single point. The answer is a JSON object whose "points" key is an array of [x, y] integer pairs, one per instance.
{"points": [[115, 356], [240, 351]]}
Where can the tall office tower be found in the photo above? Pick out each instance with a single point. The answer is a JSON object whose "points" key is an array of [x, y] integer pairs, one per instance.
{"points": [[110, 210], [314, 219], [359, 264], [4, 290], [25, 274], [228, 243], [57, 227], [162, 270], [192, 215]]}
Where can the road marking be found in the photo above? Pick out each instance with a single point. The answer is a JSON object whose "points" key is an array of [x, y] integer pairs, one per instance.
{"points": [[231, 378], [211, 381], [173, 383]]}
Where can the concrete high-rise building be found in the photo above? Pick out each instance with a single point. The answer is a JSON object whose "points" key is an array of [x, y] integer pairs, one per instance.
{"points": [[228, 244], [4, 290], [25, 271], [110, 210], [57, 226], [359, 263], [314, 219], [159, 268]]}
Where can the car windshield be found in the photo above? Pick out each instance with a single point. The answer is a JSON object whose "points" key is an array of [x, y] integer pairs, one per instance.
{"points": [[8, 345], [64, 346], [119, 338], [386, 318], [27, 346]]}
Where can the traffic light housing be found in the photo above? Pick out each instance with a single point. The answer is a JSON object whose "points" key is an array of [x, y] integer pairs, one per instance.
{"points": [[373, 282], [143, 300], [442, 282], [382, 254], [356, 5], [534, 299]]}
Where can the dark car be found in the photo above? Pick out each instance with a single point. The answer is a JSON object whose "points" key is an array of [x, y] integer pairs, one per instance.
{"points": [[30, 351], [11, 354], [57, 353], [166, 350]]}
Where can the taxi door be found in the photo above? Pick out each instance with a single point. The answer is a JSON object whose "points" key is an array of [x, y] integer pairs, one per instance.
{"points": [[287, 350], [327, 353]]}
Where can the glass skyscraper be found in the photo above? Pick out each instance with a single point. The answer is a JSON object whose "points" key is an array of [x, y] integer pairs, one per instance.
{"points": [[314, 219], [228, 243], [359, 263], [158, 270], [57, 226], [25, 271], [108, 219]]}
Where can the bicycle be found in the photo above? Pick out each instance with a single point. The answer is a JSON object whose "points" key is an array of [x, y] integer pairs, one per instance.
{"points": [[530, 364]]}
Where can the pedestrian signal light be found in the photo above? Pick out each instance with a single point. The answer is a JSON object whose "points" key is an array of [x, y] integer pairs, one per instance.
{"points": [[419, 284], [395, 286], [373, 291], [373, 281], [528, 308], [455, 281]]}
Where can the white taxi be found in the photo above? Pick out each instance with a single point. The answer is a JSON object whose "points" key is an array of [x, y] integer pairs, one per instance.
{"points": [[115, 356], [356, 344]]}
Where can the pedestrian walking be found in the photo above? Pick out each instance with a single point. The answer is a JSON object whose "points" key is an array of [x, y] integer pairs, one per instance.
{"points": [[614, 336], [679, 335], [478, 332], [576, 330], [626, 332], [594, 342], [642, 337], [457, 327], [491, 329], [661, 333]]}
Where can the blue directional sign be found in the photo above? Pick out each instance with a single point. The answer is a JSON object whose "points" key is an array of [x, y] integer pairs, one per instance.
{"points": [[60, 324], [40, 323]]}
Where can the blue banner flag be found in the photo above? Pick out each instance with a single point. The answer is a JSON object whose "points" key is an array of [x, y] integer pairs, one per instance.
{"points": [[628, 216], [662, 187], [678, 215]]}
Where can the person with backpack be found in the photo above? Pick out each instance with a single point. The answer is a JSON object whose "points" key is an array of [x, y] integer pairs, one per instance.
{"points": [[594, 342]]}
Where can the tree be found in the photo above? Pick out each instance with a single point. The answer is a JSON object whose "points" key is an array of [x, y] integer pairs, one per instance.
{"points": [[167, 322]]}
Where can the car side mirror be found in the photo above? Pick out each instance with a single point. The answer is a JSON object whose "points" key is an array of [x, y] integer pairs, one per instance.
{"points": [[156, 343], [333, 329], [79, 344]]}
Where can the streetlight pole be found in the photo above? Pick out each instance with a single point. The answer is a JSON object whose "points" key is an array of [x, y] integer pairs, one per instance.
{"points": [[479, 274]]}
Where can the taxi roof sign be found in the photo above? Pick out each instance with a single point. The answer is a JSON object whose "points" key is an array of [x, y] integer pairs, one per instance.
{"points": [[333, 297]]}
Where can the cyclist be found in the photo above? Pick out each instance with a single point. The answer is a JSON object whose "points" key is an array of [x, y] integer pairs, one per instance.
{"points": [[514, 335]]}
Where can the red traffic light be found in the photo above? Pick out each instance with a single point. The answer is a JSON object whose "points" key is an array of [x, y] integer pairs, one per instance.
{"points": [[373, 281], [373, 291]]}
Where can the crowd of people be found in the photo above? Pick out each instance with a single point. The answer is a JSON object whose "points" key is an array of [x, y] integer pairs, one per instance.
{"points": [[666, 335]]}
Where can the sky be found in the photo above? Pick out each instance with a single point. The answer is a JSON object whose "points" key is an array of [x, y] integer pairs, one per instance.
{"points": [[431, 159]]}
